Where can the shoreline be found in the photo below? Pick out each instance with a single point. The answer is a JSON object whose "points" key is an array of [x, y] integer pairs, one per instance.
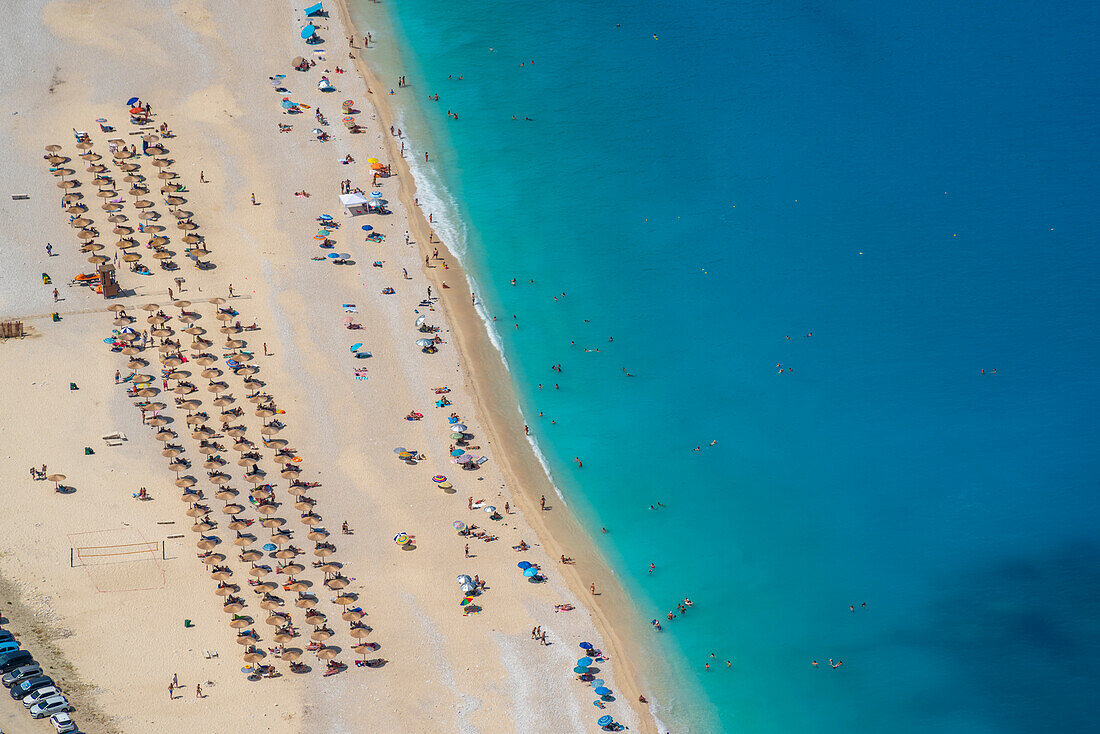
{"points": [[560, 532]]}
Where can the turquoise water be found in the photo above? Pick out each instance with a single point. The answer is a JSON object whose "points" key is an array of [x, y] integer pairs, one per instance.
{"points": [[915, 185]]}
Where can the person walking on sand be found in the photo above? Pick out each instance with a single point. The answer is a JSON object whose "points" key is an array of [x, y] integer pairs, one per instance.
{"points": [[253, 199], [171, 691], [541, 501], [467, 553], [265, 349], [592, 588], [49, 250], [55, 295], [198, 691]]}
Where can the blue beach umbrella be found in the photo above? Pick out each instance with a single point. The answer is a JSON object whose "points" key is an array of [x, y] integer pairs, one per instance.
{"points": [[603, 691], [367, 228], [456, 452], [131, 101], [269, 546], [524, 565], [584, 661], [604, 720], [287, 104], [376, 194], [529, 572], [580, 670], [308, 31], [586, 645], [334, 255], [356, 347]]}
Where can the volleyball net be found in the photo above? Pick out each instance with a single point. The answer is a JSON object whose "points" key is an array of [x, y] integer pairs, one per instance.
{"points": [[98, 555]]}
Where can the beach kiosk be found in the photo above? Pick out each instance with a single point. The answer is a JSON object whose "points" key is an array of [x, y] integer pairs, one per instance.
{"points": [[354, 204], [107, 281]]}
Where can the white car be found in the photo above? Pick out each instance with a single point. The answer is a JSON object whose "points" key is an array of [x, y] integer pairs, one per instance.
{"points": [[40, 695], [50, 706], [63, 723]]}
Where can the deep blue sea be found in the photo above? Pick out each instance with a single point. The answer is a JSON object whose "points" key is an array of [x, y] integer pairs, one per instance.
{"points": [[805, 229]]}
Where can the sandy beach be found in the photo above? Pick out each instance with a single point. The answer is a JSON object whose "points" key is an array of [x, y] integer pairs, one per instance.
{"points": [[116, 629]]}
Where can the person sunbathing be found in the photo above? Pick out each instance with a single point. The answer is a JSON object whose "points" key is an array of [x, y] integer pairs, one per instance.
{"points": [[567, 560], [522, 546]]}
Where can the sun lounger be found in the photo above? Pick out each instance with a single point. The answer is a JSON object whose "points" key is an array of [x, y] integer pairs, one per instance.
{"points": [[114, 439]]}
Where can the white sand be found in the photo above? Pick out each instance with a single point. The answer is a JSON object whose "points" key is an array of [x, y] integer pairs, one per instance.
{"points": [[205, 67]]}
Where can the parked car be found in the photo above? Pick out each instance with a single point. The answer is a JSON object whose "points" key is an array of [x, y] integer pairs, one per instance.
{"points": [[63, 723], [10, 646], [50, 706], [20, 674], [40, 694], [21, 690], [12, 660]]}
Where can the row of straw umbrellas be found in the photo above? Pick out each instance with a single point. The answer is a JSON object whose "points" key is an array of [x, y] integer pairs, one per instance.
{"points": [[124, 160], [172, 358], [233, 434]]}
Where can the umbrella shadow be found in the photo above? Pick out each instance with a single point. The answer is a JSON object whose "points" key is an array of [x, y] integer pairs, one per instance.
{"points": [[409, 547], [63, 489]]}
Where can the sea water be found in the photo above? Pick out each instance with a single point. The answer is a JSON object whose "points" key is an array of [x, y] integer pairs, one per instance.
{"points": [[854, 245]]}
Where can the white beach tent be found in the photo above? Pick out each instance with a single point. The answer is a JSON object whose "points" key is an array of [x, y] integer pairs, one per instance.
{"points": [[354, 203]]}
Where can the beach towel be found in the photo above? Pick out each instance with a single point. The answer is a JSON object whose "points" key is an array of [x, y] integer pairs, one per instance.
{"points": [[350, 308]]}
